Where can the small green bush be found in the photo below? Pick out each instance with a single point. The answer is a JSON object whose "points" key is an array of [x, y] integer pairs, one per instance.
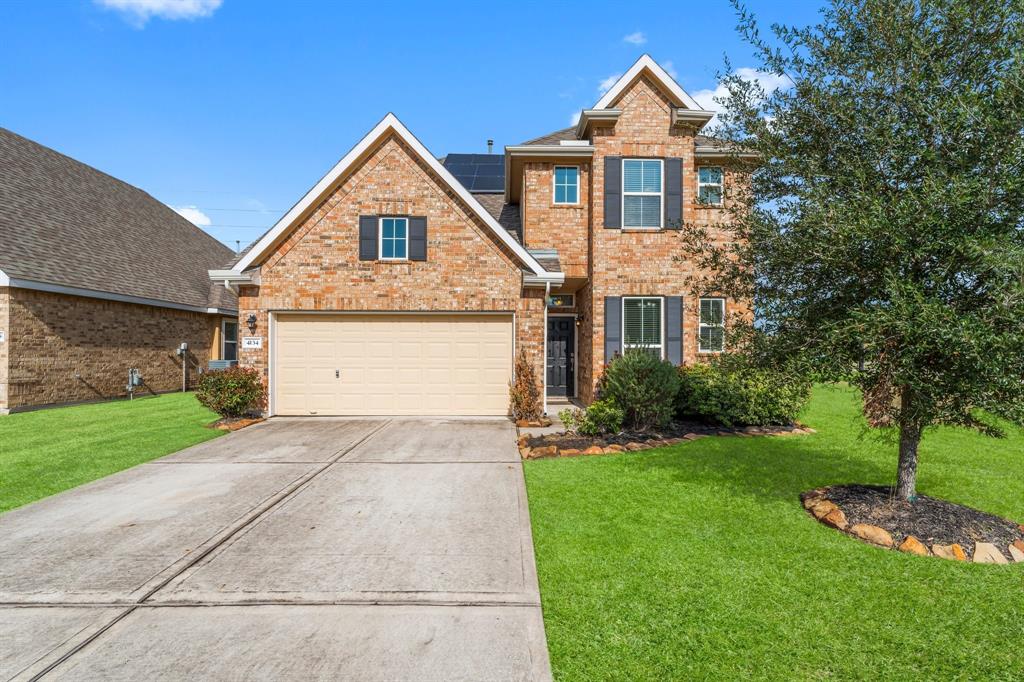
{"points": [[601, 418], [644, 386], [232, 392], [730, 392]]}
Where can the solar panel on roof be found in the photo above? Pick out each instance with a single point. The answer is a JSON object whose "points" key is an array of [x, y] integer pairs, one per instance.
{"points": [[478, 172]]}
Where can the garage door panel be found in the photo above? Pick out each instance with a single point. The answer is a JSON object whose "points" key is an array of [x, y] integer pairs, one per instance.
{"points": [[401, 364]]}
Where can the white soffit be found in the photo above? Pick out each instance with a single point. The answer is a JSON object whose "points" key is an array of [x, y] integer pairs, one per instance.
{"points": [[645, 62]]}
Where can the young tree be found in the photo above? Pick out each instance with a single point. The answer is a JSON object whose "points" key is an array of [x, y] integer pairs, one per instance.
{"points": [[881, 233]]}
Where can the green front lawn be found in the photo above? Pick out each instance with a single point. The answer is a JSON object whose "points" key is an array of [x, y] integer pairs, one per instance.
{"points": [[45, 452], [698, 561]]}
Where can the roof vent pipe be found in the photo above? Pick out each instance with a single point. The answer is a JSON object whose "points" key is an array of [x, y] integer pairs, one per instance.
{"points": [[490, 146]]}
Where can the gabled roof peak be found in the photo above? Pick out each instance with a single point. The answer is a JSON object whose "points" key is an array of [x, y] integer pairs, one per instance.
{"points": [[646, 63]]}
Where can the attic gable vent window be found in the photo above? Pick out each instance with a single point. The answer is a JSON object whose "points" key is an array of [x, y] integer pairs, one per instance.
{"points": [[642, 193]]}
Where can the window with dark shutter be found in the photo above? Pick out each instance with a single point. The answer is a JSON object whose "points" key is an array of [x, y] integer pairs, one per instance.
{"points": [[367, 237], [673, 194], [613, 191], [418, 238], [612, 327]]}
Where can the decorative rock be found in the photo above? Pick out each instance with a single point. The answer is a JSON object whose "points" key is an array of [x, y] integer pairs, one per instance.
{"points": [[822, 508], [594, 450], [544, 451], [1016, 552], [913, 546], [837, 519], [523, 440], [1019, 544], [525, 453], [694, 436], [953, 552], [873, 534], [987, 553], [633, 447], [613, 448], [570, 452]]}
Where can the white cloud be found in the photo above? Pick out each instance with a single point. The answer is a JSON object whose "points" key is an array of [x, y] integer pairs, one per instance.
{"points": [[769, 82], [193, 215], [606, 85], [575, 118], [635, 38], [138, 12], [670, 69]]}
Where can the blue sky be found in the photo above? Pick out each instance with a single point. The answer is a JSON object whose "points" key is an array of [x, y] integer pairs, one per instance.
{"points": [[237, 107]]}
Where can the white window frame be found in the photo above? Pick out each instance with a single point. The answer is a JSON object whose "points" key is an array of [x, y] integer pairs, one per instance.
{"points": [[661, 326], [701, 325], [660, 194], [380, 236], [554, 187], [224, 338], [719, 185]]}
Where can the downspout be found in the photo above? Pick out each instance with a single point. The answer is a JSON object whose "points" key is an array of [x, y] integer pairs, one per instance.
{"points": [[544, 363]]}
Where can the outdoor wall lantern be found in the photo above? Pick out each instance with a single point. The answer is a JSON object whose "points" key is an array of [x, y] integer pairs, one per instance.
{"points": [[251, 322]]}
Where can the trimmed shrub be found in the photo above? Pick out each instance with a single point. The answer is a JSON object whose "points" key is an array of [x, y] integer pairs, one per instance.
{"points": [[232, 392], [523, 391], [730, 392], [644, 386], [601, 418]]}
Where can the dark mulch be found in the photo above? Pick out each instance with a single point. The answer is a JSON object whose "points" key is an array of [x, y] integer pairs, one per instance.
{"points": [[673, 430], [930, 520]]}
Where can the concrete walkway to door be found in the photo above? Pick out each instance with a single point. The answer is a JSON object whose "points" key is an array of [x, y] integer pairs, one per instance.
{"points": [[370, 549]]}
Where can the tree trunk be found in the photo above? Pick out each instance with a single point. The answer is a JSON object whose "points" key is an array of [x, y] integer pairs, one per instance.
{"points": [[906, 475]]}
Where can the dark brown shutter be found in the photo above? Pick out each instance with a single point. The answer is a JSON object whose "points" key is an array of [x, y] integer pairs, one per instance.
{"points": [[612, 327], [418, 238], [367, 237], [674, 329], [613, 191], [673, 194]]}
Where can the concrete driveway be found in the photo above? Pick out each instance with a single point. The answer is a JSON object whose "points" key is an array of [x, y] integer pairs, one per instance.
{"points": [[370, 549]]}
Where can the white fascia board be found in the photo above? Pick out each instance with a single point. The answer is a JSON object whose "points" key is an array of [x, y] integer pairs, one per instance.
{"points": [[553, 278], [232, 276], [388, 123], [15, 283], [645, 62], [567, 150], [588, 115]]}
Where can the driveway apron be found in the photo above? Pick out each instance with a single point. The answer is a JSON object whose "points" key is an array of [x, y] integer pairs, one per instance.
{"points": [[316, 548]]}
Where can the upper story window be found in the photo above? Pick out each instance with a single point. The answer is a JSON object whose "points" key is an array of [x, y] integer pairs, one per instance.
{"points": [[712, 325], [641, 324], [709, 185], [394, 238], [567, 185], [642, 193]]}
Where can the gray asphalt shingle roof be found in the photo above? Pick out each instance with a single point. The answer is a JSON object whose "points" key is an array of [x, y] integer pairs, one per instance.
{"points": [[63, 222]]}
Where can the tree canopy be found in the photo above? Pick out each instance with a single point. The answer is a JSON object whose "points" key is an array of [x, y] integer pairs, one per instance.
{"points": [[881, 233]]}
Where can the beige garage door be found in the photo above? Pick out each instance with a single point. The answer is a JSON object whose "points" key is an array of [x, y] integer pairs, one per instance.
{"points": [[458, 364]]}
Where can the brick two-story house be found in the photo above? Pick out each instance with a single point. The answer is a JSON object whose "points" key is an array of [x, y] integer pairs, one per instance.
{"points": [[401, 284]]}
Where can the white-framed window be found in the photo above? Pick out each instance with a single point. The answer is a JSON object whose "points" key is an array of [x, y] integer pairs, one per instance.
{"points": [[642, 324], [710, 185], [567, 185], [642, 190], [712, 325], [394, 238], [229, 340]]}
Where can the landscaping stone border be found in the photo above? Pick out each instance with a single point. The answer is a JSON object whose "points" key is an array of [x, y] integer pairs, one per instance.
{"points": [[566, 445], [819, 506], [228, 424]]}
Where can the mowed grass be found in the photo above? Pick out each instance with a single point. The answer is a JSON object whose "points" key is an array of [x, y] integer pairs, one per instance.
{"points": [[698, 561], [45, 452]]}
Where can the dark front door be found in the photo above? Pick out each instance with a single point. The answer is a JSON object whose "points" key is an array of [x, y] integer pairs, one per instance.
{"points": [[561, 355]]}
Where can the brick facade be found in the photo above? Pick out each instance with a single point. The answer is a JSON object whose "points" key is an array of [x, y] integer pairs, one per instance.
{"points": [[65, 349], [317, 267], [547, 225]]}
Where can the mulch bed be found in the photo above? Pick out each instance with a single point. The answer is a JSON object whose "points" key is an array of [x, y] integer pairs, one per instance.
{"points": [[928, 520], [572, 445], [235, 423]]}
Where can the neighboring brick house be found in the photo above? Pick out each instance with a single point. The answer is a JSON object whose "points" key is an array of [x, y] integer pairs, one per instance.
{"points": [[401, 284], [96, 278]]}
